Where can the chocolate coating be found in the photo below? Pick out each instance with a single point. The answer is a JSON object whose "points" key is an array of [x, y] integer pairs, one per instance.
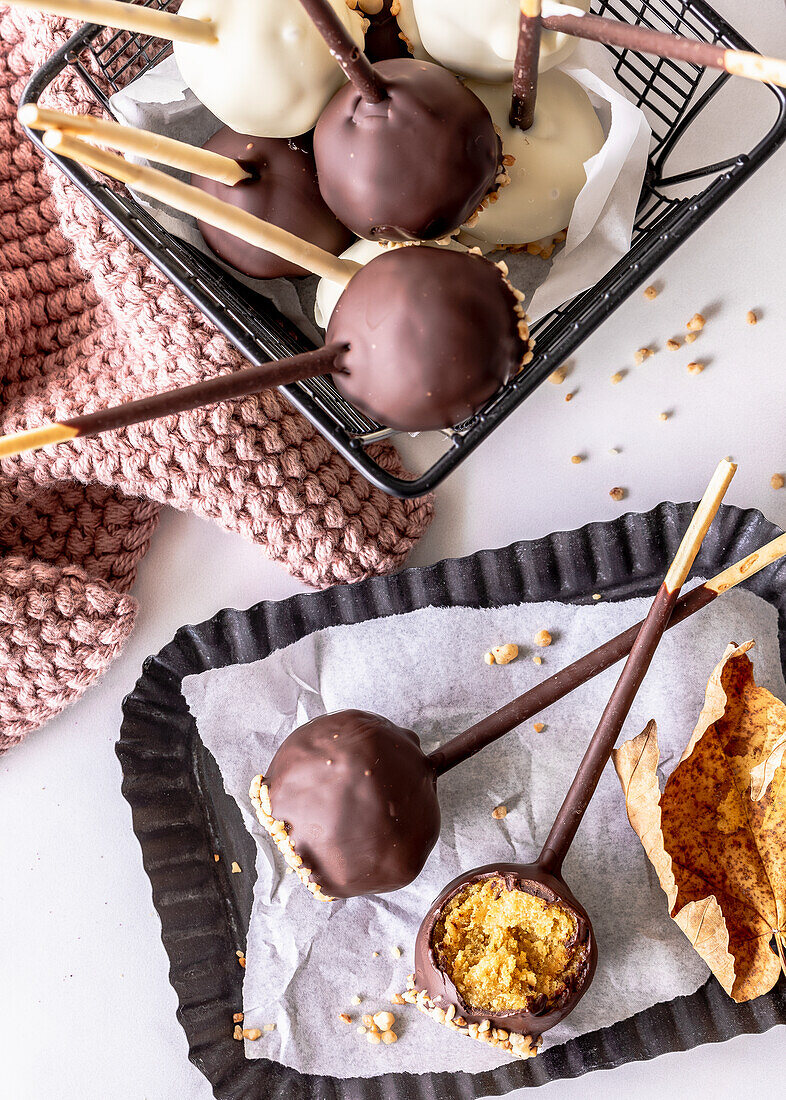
{"points": [[383, 35], [542, 1015], [283, 190], [415, 166], [359, 797], [430, 336]]}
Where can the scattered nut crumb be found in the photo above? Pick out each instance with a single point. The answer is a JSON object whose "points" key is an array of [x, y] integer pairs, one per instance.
{"points": [[395, 952], [389, 1037], [237, 1033], [542, 638], [240, 953], [752, 317], [642, 354], [235, 868], [617, 377], [576, 459], [488, 658], [651, 293], [695, 368], [673, 345], [361, 1030], [268, 1027], [216, 856], [504, 654], [614, 450], [384, 1020], [596, 596], [664, 416], [616, 493], [375, 954], [696, 323], [355, 1000], [237, 1018], [397, 999], [242, 962], [251, 1033], [558, 376], [345, 1018], [569, 396], [777, 481], [539, 727], [537, 660], [373, 1037], [499, 812], [691, 338]]}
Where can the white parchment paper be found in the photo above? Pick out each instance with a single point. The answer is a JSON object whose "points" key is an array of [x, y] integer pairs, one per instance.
{"points": [[600, 229], [425, 670]]}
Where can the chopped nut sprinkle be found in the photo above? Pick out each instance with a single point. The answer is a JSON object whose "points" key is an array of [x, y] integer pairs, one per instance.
{"points": [[389, 1037], [345, 1018], [673, 345], [375, 954], [752, 317], [361, 1030], [238, 1032], [395, 952], [651, 293], [504, 654], [558, 376], [542, 638], [268, 1027], [617, 377], [240, 953], [499, 812], [384, 1020], [691, 338], [596, 596], [696, 323], [777, 481], [397, 999], [642, 354], [242, 962], [252, 1033], [216, 856], [695, 368], [569, 396], [355, 1000], [664, 416], [539, 727], [616, 493], [488, 658], [235, 868], [576, 459], [373, 1037], [537, 660], [614, 450], [237, 1018]]}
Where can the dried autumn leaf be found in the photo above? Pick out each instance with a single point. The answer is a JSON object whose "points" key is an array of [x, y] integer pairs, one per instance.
{"points": [[717, 835]]}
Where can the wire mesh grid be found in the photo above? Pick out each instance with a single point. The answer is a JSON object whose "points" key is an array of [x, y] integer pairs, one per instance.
{"points": [[672, 95]]}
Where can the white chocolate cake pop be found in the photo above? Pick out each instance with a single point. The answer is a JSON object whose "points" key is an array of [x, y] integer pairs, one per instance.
{"points": [[548, 172], [270, 74], [478, 38]]}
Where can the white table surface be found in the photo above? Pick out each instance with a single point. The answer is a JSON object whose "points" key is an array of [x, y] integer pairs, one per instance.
{"points": [[86, 1010]]}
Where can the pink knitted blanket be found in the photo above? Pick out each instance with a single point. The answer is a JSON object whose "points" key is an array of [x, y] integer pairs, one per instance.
{"points": [[86, 321]]}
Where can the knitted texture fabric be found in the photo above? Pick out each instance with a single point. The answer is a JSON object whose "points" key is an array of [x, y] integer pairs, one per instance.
{"points": [[87, 321]]}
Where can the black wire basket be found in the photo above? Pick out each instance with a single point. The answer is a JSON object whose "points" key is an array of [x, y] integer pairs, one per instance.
{"points": [[672, 95]]}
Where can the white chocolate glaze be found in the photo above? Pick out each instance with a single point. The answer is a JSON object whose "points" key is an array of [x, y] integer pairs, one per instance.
{"points": [[270, 74], [478, 38], [548, 172]]}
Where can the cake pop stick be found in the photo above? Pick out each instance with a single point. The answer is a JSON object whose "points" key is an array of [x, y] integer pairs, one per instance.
{"points": [[525, 67], [141, 143], [404, 151], [259, 65], [546, 928], [129, 17], [274, 179], [189, 200], [612, 32], [226, 387]]}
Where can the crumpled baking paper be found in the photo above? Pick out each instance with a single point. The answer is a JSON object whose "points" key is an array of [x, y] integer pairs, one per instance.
{"points": [[599, 232], [425, 670]]}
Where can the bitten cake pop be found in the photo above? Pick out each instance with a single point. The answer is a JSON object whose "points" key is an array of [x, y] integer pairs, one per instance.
{"points": [[477, 38], [272, 178], [404, 152], [508, 947], [546, 163], [282, 189]]}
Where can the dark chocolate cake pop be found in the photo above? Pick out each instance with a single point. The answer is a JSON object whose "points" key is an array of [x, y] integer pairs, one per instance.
{"points": [[283, 190], [414, 166], [359, 800], [383, 34], [428, 335]]}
